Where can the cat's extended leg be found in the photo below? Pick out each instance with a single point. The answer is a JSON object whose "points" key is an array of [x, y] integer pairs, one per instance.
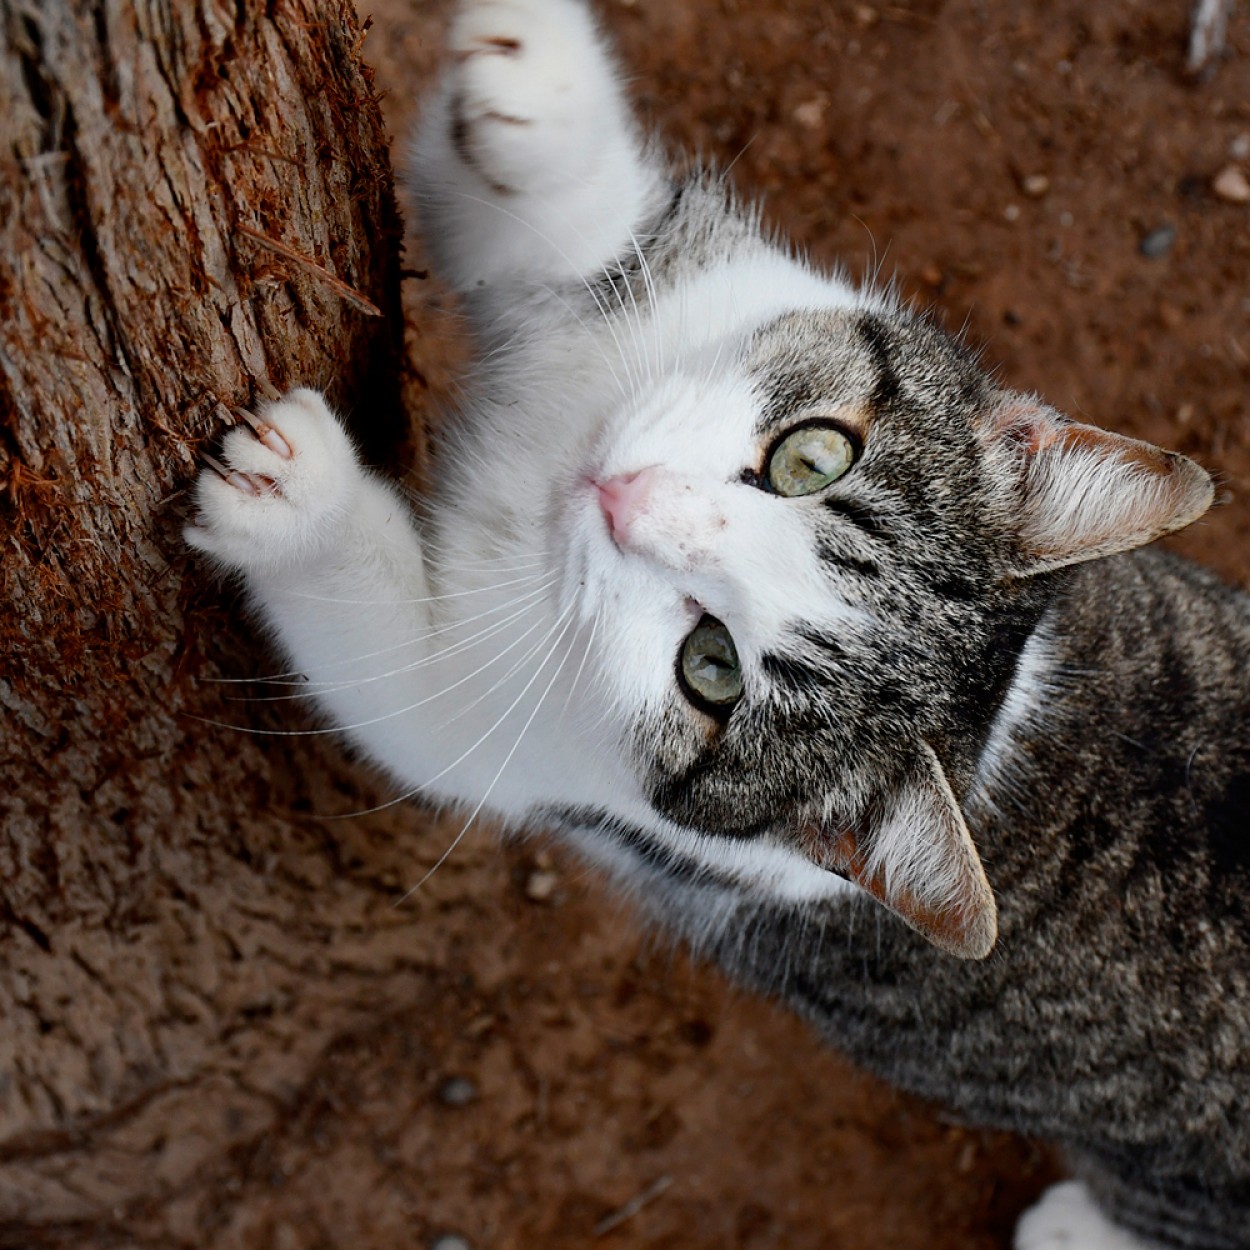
{"points": [[1068, 1218], [331, 560], [527, 163]]}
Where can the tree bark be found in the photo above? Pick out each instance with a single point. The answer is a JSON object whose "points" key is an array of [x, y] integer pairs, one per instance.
{"points": [[196, 206]]}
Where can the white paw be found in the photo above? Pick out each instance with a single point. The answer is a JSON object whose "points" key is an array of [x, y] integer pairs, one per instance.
{"points": [[1067, 1218], [533, 94], [285, 489]]}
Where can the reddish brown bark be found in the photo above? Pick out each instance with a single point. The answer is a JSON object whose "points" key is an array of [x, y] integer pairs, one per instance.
{"points": [[195, 204]]}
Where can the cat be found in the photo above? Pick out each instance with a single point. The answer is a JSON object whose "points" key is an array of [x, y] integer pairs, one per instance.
{"points": [[843, 660]]}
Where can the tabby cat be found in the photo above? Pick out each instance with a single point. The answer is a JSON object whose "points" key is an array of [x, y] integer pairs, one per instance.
{"points": [[839, 657]]}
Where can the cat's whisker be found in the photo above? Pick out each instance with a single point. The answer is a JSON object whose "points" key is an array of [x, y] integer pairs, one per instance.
{"points": [[710, 372], [742, 151], [442, 558], [634, 322], [317, 689], [610, 319], [392, 603], [622, 390], [632, 315], [652, 302], [879, 257], [517, 666], [318, 686], [360, 724], [633, 325], [590, 642], [464, 755], [296, 676], [517, 608], [542, 698], [499, 655], [455, 685]]}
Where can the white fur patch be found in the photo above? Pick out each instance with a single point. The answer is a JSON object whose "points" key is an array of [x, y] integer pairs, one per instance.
{"points": [[1025, 702], [1067, 1218]]}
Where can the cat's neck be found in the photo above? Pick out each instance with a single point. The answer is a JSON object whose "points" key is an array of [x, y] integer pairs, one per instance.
{"points": [[1131, 685]]}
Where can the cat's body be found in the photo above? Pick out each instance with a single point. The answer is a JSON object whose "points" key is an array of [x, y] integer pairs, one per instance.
{"points": [[757, 587]]}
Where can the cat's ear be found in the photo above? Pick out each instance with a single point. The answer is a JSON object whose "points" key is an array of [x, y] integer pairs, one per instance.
{"points": [[1081, 492], [915, 856]]}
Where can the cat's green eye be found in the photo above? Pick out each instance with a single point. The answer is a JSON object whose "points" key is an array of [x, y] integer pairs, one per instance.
{"points": [[808, 459], [709, 668]]}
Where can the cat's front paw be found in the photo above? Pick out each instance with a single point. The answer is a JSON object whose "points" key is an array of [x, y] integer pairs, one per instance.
{"points": [[282, 490], [533, 96], [1067, 1218]]}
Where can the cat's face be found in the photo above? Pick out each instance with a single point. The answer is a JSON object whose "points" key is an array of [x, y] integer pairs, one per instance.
{"points": [[812, 561], [791, 550]]}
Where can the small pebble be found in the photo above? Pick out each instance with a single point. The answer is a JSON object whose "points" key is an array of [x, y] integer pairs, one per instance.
{"points": [[457, 1091], [1158, 242], [449, 1241], [1232, 185], [541, 885], [479, 1026], [1035, 186], [1011, 212], [1239, 149], [811, 113]]}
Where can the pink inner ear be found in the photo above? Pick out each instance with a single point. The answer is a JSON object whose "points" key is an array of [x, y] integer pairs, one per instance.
{"points": [[1033, 427], [1085, 492]]}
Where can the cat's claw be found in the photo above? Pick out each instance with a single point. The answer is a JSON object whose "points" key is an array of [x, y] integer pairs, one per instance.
{"points": [[248, 483], [532, 98], [528, 161], [282, 489], [268, 434]]}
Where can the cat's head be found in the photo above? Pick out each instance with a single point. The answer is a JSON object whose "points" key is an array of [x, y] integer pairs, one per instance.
{"points": [[813, 559]]}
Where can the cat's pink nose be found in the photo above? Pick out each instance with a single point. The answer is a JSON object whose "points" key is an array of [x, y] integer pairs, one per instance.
{"points": [[623, 499]]}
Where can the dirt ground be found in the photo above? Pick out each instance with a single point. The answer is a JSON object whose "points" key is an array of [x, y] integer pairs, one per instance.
{"points": [[567, 1081]]}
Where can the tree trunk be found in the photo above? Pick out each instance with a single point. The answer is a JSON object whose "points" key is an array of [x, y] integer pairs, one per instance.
{"points": [[196, 206]]}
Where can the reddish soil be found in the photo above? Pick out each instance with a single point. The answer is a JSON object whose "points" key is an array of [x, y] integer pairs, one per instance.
{"points": [[1005, 162]]}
